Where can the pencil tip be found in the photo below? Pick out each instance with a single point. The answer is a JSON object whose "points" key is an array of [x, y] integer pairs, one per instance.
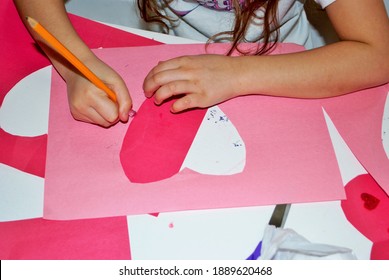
{"points": [[31, 21]]}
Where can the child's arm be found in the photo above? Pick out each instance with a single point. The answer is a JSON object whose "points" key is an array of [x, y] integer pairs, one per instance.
{"points": [[359, 60], [87, 102]]}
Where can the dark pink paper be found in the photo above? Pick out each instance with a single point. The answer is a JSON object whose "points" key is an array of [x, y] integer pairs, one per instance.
{"points": [[38, 239], [150, 153], [367, 209], [27, 154]]}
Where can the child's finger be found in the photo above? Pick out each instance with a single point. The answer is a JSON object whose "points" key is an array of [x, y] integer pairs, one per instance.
{"points": [[173, 88], [107, 111], [184, 103], [124, 101]]}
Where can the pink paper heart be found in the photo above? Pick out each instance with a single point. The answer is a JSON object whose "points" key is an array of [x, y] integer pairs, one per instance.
{"points": [[142, 160]]}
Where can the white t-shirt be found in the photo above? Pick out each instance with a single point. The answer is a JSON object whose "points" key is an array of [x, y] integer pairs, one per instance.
{"points": [[201, 19], [324, 3]]}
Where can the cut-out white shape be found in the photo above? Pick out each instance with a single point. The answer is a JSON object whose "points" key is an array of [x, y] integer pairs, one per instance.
{"points": [[25, 109], [217, 148], [21, 194], [385, 127], [349, 165]]}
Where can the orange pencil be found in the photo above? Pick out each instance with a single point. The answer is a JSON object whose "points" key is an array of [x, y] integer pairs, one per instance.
{"points": [[62, 50]]}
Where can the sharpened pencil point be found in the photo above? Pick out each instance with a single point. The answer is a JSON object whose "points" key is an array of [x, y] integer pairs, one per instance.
{"points": [[32, 22]]}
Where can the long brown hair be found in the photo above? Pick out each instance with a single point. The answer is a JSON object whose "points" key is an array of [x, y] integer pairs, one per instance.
{"points": [[244, 16]]}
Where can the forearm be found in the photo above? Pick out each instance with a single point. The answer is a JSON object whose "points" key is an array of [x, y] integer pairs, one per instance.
{"points": [[53, 16], [328, 71]]}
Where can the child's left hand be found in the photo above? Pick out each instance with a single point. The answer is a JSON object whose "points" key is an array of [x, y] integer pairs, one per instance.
{"points": [[203, 80]]}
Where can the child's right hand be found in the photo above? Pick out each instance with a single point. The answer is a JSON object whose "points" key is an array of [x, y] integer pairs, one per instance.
{"points": [[90, 104], [87, 102]]}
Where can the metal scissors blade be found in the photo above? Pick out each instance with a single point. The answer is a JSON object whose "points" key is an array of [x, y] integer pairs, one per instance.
{"points": [[279, 215]]}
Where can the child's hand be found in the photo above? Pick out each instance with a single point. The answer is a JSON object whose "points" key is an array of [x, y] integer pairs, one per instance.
{"points": [[90, 104], [204, 80]]}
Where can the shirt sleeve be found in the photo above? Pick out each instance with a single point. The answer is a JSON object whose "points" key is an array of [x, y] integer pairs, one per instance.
{"points": [[324, 3]]}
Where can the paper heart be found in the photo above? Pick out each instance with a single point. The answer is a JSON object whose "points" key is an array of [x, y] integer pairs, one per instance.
{"points": [[157, 142], [371, 201]]}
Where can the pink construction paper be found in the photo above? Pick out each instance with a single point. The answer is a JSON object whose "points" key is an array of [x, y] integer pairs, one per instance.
{"points": [[358, 118], [24, 153], [289, 153], [367, 208], [158, 153], [39, 239]]}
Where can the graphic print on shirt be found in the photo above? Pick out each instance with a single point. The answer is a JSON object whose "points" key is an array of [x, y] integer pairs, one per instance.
{"points": [[224, 5]]}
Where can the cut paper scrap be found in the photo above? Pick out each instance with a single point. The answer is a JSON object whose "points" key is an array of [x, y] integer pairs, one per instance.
{"points": [[208, 143], [349, 165], [24, 118], [217, 149], [25, 109], [367, 208], [27, 154], [21, 194], [150, 153], [359, 120], [88, 239], [289, 155]]}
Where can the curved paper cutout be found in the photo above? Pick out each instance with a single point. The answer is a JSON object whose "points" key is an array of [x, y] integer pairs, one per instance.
{"points": [[31, 152], [145, 159], [21, 195]]}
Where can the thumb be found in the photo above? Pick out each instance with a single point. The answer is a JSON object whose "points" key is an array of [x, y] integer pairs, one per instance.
{"points": [[124, 101]]}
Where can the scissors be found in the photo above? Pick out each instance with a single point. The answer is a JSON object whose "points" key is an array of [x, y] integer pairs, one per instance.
{"points": [[277, 219], [280, 213]]}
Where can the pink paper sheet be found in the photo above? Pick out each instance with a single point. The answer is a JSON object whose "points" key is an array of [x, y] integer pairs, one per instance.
{"points": [[289, 153], [358, 118]]}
